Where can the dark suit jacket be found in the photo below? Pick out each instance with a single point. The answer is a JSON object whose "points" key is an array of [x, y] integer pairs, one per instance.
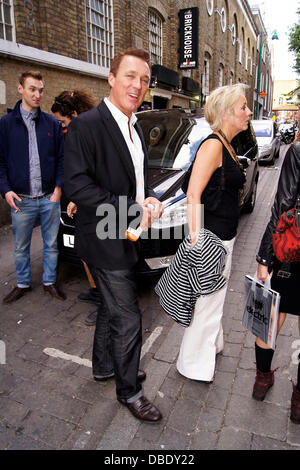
{"points": [[99, 169]]}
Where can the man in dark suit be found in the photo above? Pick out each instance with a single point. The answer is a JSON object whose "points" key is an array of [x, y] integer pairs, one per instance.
{"points": [[106, 176]]}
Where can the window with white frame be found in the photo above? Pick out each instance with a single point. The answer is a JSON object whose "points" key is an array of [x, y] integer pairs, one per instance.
{"points": [[264, 52], [99, 26], [6, 20], [205, 84], [155, 37], [240, 46], [256, 78], [246, 59], [220, 75]]}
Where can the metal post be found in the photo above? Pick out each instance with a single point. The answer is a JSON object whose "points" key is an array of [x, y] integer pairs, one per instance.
{"points": [[258, 75]]}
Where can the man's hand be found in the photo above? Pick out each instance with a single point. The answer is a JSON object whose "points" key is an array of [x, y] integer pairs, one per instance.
{"points": [[56, 194], [10, 197], [155, 205], [71, 209], [152, 209]]}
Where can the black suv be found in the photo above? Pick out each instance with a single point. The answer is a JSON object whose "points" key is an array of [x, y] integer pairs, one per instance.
{"points": [[172, 137]]}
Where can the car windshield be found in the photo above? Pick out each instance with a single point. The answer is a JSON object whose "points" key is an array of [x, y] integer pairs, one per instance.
{"points": [[262, 129], [173, 143]]}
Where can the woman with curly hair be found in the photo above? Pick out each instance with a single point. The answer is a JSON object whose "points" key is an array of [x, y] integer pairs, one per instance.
{"points": [[69, 104]]}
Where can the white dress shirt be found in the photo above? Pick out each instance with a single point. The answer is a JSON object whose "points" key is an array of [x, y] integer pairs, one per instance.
{"points": [[134, 146]]}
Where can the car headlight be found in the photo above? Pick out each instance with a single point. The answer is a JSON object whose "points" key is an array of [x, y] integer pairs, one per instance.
{"points": [[173, 216]]}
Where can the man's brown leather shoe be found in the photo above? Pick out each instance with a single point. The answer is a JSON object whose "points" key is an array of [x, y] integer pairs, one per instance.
{"points": [[55, 292], [15, 294], [143, 409]]}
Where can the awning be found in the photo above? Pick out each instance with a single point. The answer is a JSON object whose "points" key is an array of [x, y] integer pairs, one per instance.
{"points": [[160, 92], [285, 107]]}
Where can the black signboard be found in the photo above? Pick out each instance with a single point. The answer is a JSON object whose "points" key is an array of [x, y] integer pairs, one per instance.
{"points": [[188, 38]]}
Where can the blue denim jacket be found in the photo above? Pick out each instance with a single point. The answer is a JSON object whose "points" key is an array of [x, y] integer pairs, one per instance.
{"points": [[14, 152]]}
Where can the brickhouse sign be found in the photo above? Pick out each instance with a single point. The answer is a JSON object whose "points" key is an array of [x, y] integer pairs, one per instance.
{"points": [[188, 38]]}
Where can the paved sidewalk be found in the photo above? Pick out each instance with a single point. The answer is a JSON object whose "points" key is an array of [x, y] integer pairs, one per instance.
{"points": [[49, 400]]}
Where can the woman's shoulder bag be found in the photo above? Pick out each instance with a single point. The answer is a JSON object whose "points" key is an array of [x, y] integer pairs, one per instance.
{"points": [[286, 236]]}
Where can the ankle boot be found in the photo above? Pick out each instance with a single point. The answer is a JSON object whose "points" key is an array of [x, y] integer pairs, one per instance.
{"points": [[295, 405], [263, 381]]}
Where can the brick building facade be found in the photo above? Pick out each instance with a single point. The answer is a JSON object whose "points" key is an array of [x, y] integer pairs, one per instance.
{"points": [[72, 43]]}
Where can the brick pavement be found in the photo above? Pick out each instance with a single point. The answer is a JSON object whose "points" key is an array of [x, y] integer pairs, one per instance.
{"points": [[51, 403]]}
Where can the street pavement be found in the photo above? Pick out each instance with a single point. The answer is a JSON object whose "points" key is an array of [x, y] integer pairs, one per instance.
{"points": [[49, 400]]}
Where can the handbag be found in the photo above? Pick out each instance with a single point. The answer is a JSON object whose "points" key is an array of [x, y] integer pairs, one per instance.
{"points": [[286, 236], [261, 309]]}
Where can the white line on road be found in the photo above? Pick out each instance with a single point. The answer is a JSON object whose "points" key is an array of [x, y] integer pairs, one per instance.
{"points": [[68, 357], [149, 341], [86, 362]]}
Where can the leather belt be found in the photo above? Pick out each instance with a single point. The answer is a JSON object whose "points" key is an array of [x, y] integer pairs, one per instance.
{"points": [[35, 198]]}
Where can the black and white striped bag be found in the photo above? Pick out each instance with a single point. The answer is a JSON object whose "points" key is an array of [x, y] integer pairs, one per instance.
{"points": [[193, 272]]}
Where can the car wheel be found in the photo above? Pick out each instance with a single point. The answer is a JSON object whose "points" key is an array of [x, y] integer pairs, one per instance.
{"points": [[250, 204]]}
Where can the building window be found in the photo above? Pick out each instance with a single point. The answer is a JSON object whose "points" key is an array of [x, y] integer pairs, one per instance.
{"points": [[246, 59], [256, 78], [6, 20], [99, 26], [220, 75], [240, 47], [155, 37], [230, 78], [251, 65], [210, 6], [205, 84]]}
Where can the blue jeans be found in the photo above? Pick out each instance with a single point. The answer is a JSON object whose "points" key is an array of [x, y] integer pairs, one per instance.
{"points": [[23, 223]]}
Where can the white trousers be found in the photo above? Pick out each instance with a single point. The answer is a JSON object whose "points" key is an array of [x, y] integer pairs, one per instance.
{"points": [[203, 339]]}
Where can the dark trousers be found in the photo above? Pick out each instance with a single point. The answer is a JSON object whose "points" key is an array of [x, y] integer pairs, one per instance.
{"points": [[118, 333]]}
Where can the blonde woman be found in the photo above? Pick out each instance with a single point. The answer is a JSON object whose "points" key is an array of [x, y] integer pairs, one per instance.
{"points": [[227, 113]]}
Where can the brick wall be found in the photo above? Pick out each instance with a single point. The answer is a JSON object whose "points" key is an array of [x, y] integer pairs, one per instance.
{"points": [[53, 26], [55, 80]]}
